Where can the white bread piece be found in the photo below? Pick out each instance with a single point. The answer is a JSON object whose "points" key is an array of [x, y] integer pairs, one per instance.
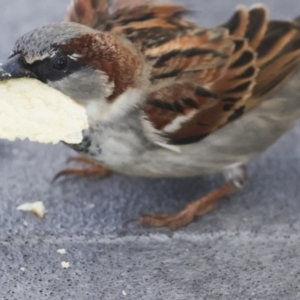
{"points": [[37, 208], [31, 109], [65, 265]]}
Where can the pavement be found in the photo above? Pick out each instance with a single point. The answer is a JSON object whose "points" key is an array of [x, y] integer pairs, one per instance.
{"points": [[247, 249]]}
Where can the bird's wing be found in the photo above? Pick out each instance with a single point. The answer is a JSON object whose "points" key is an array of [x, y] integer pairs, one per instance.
{"points": [[94, 13], [203, 79], [262, 56]]}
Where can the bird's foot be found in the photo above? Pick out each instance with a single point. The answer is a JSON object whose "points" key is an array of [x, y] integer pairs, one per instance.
{"points": [[195, 209], [92, 169]]}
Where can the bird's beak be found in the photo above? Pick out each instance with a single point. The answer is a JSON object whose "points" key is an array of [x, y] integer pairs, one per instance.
{"points": [[15, 68]]}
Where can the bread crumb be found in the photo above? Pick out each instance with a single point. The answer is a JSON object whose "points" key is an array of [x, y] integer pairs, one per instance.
{"points": [[22, 269], [65, 264], [61, 251], [124, 293], [37, 208]]}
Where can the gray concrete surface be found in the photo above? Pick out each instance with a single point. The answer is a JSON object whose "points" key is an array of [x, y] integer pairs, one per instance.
{"points": [[247, 249]]}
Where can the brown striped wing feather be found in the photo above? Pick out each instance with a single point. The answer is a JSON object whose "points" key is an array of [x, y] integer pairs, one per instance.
{"points": [[87, 12], [263, 56], [202, 79]]}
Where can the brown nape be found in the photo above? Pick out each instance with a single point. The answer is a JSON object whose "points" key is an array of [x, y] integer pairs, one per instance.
{"points": [[87, 12], [111, 56]]}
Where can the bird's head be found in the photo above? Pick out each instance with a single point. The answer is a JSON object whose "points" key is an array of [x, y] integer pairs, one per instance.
{"points": [[91, 67]]}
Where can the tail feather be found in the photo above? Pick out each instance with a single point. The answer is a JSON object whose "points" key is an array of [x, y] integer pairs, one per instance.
{"points": [[238, 23], [257, 26], [278, 57], [266, 52]]}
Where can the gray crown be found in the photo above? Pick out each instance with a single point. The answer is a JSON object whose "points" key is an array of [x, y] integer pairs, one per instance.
{"points": [[40, 43]]}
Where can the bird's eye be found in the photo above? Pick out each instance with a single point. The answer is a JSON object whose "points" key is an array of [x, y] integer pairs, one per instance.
{"points": [[60, 63]]}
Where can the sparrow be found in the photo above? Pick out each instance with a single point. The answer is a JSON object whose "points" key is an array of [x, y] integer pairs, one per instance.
{"points": [[166, 97]]}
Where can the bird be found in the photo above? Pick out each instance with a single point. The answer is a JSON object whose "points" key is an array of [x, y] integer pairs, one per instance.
{"points": [[166, 97]]}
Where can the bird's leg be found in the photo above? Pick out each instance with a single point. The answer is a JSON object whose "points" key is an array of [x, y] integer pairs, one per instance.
{"points": [[235, 176], [92, 169]]}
